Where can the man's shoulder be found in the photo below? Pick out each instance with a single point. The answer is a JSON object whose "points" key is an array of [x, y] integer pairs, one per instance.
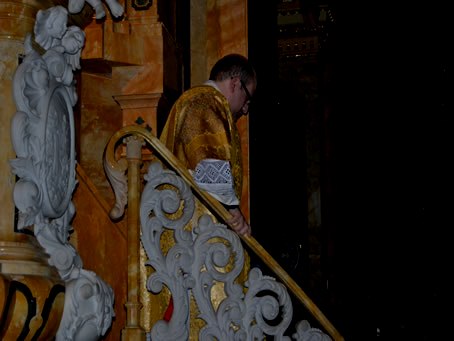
{"points": [[201, 90], [202, 94]]}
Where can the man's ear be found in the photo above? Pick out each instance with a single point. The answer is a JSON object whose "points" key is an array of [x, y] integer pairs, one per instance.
{"points": [[234, 82]]}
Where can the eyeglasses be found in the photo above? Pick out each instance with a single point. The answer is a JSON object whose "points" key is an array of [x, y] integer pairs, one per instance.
{"points": [[248, 94]]}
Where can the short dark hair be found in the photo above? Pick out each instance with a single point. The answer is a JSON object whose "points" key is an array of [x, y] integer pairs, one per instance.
{"points": [[233, 65]]}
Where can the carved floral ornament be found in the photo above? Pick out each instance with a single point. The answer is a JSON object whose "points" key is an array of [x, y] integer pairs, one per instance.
{"points": [[43, 137]]}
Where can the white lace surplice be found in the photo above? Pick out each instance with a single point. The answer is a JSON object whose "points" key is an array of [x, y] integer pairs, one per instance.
{"points": [[215, 177]]}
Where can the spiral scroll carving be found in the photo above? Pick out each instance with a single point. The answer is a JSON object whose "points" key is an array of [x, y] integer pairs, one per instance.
{"points": [[208, 254]]}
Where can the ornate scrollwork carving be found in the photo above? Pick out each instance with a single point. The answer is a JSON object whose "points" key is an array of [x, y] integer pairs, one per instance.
{"points": [[191, 267], [116, 9], [167, 202], [42, 133]]}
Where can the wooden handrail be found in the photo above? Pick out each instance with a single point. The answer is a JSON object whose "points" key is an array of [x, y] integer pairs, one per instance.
{"points": [[219, 209]]}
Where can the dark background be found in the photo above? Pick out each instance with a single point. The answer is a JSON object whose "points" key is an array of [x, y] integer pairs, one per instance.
{"points": [[390, 142]]}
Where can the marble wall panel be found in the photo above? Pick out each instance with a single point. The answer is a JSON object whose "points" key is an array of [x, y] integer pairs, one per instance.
{"points": [[100, 117]]}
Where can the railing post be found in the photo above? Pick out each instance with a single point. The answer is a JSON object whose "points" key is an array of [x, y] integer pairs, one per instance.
{"points": [[133, 330]]}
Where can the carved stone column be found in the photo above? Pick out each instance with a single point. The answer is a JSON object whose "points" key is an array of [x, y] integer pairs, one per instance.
{"points": [[31, 292]]}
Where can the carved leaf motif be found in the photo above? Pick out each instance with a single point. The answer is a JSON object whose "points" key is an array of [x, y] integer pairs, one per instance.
{"points": [[304, 332], [19, 133], [23, 168], [119, 182], [36, 84]]}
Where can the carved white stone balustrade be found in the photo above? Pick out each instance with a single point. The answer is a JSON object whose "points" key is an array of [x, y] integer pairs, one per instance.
{"points": [[199, 259]]}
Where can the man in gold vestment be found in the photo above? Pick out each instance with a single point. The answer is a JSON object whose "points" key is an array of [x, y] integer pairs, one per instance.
{"points": [[201, 132]]}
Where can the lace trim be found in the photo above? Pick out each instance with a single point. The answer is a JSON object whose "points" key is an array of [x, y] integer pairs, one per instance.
{"points": [[215, 177]]}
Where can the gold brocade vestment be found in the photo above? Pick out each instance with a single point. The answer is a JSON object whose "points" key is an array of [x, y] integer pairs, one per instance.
{"points": [[200, 126]]}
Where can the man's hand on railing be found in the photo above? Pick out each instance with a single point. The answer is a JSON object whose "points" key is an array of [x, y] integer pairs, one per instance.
{"points": [[238, 223]]}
